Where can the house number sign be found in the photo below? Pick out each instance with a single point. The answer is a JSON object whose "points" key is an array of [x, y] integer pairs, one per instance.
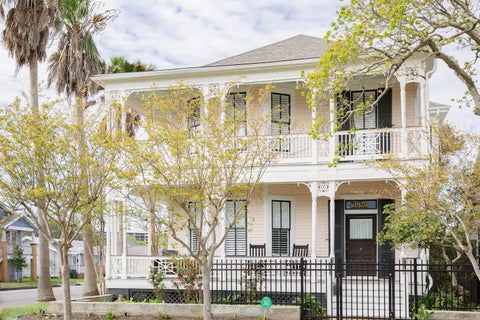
{"points": [[360, 204]]}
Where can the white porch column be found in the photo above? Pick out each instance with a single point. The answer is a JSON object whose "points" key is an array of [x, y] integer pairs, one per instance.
{"points": [[149, 235], [332, 144], [403, 108], [223, 225], [423, 115], [124, 242], [314, 120], [108, 231], [314, 191], [332, 224]]}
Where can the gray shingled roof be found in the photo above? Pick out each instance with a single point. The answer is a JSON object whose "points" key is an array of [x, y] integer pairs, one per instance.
{"points": [[296, 48]]}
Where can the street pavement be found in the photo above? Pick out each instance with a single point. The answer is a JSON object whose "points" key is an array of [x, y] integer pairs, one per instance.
{"points": [[14, 298]]}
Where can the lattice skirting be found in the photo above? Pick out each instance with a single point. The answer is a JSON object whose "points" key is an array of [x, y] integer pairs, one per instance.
{"points": [[221, 297]]}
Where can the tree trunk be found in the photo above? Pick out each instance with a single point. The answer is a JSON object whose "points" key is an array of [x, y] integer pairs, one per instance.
{"points": [[44, 290], [207, 297], [90, 278], [474, 262], [153, 236], [67, 299]]}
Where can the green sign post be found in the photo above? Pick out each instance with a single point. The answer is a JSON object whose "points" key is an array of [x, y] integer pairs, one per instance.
{"points": [[265, 303]]}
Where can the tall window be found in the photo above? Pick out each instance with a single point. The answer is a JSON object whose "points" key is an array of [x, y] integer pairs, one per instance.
{"points": [[367, 119], [280, 113], [237, 111], [194, 208], [281, 220], [379, 116], [236, 240], [194, 117]]}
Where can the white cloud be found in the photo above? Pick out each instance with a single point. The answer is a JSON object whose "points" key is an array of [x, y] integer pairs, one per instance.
{"points": [[178, 33]]}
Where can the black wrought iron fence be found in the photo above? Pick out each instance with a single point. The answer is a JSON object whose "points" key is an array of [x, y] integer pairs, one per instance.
{"points": [[327, 290]]}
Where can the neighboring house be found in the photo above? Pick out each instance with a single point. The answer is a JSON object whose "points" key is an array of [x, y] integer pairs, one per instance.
{"points": [[75, 258], [14, 226], [336, 211]]}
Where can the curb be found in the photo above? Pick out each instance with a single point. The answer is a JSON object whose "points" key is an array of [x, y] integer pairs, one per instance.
{"points": [[29, 287]]}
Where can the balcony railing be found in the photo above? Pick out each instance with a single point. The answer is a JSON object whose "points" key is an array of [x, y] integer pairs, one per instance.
{"points": [[349, 146], [361, 145]]}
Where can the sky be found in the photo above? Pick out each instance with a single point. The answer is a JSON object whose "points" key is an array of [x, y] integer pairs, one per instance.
{"points": [[181, 33]]}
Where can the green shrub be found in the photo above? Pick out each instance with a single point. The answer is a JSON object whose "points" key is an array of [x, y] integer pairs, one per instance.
{"points": [[313, 307], [110, 315], [156, 277], [423, 313], [164, 315]]}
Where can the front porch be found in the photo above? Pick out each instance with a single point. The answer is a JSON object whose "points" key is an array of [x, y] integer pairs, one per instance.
{"points": [[315, 215]]}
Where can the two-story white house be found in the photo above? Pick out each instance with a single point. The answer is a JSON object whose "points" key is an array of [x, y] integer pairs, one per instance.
{"points": [[335, 210]]}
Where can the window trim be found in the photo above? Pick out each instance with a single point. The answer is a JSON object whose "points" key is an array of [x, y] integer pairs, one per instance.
{"points": [[289, 113], [191, 230], [289, 224], [193, 121], [235, 228], [234, 105], [348, 95]]}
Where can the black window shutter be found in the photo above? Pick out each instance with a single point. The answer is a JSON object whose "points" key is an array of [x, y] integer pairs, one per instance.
{"points": [[386, 254], [385, 110], [339, 243]]}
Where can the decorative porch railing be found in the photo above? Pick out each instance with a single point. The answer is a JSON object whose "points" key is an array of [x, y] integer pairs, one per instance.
{"points": [[360, 145], [349, 146]]}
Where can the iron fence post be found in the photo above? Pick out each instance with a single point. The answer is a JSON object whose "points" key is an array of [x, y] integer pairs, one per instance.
{"points": [[338, 278], [415, 287], [391, 280], [302, 289]]}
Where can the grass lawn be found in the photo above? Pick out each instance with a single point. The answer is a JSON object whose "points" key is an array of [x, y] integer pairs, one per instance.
{"points": [[12, 313], [26, 282]]}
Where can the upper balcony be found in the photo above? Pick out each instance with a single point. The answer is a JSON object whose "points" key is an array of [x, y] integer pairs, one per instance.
{"points": [[397, 126]]}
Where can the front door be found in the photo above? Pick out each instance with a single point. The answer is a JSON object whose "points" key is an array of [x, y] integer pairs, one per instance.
{"points": [[361, 253]]}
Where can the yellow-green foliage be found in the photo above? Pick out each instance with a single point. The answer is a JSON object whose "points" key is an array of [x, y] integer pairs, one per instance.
{"points": [[374, 38], [441, 196], [195, 154]]}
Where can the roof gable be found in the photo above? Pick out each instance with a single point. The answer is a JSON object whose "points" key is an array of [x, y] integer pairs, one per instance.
{"points": [[21, 223], [299, 47]]}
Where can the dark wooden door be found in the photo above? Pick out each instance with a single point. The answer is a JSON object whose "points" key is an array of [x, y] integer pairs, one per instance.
{"points": [[361, 248]]}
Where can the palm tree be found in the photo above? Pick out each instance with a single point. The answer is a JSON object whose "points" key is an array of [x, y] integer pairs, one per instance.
{"points": [[27, 28], [70, 68], [122, 65]]}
